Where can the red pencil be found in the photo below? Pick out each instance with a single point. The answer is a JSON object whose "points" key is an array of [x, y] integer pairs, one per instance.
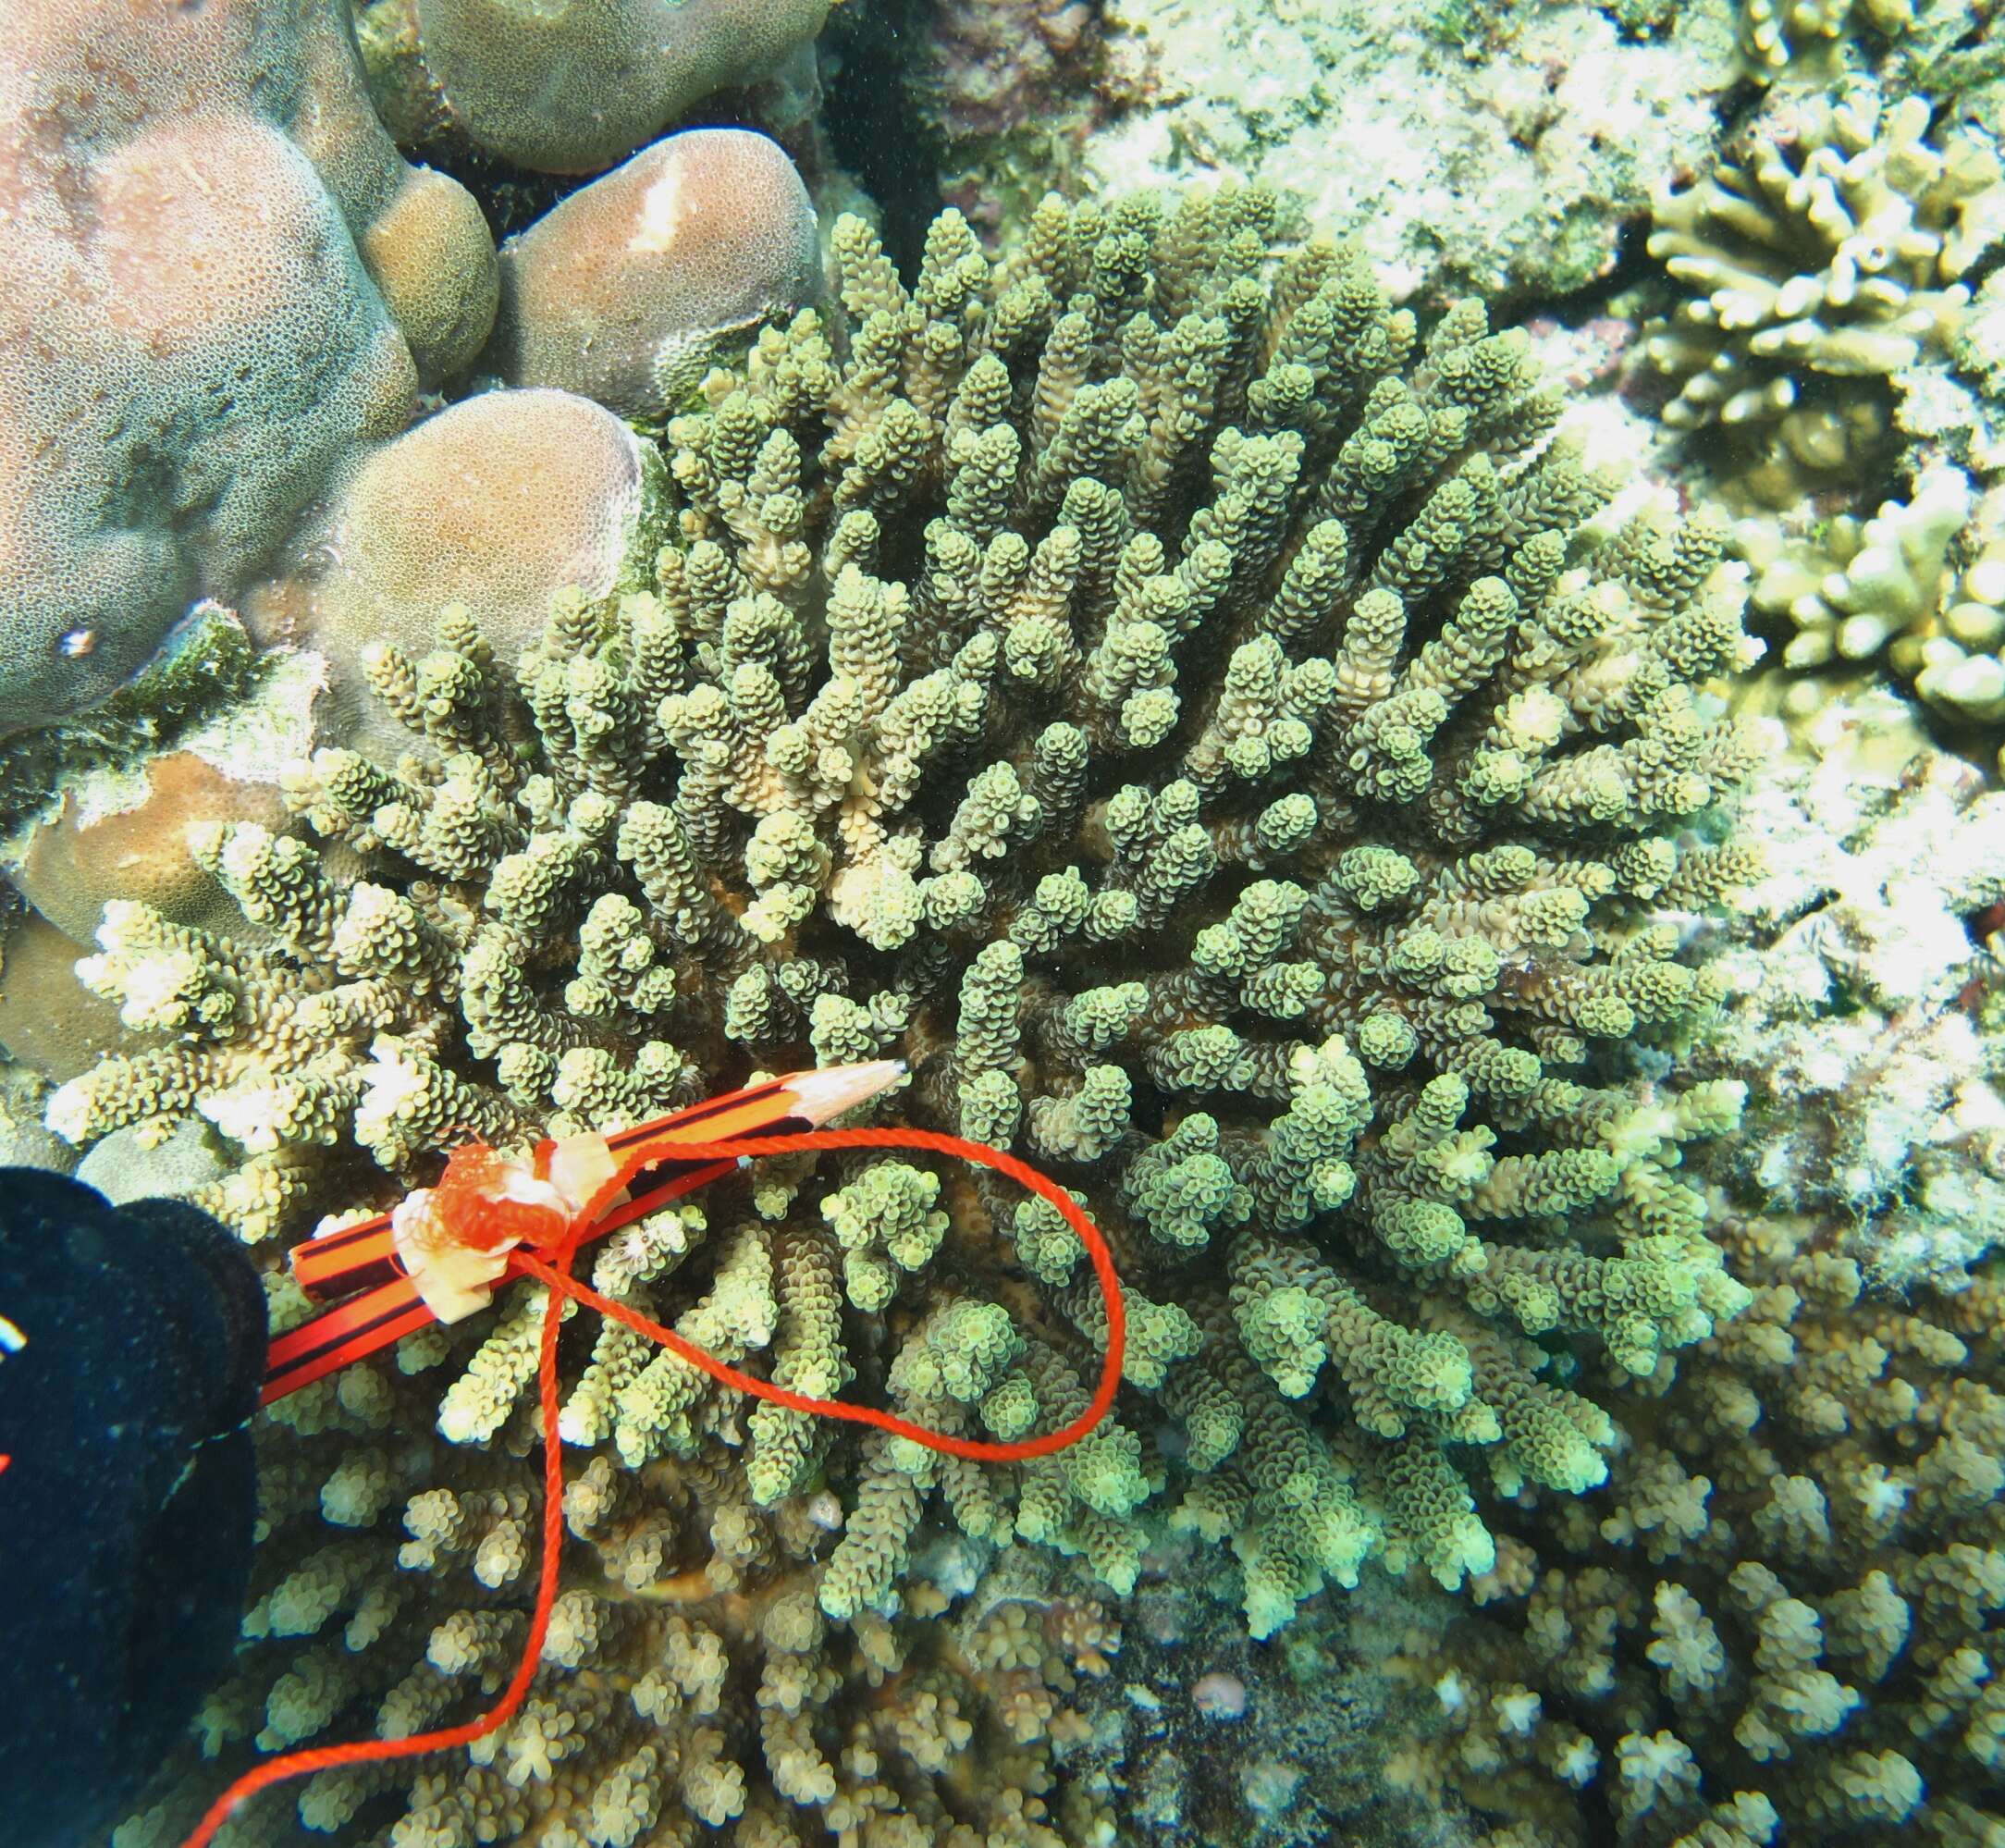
{"points": [[378, 1304]]}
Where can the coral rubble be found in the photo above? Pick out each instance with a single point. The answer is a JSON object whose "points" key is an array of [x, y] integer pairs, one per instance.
{"points": [[1498, 147], [1856, 978], [1188, 713]]}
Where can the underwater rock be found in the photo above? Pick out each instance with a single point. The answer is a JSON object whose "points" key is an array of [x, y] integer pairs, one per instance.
{"points": [[621, 292], [574, 85], [989, 66], [1501, 147], [134, 1345], [192, 338]]}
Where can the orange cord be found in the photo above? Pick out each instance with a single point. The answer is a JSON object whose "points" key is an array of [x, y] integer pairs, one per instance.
{"points": [[557, 1278]]}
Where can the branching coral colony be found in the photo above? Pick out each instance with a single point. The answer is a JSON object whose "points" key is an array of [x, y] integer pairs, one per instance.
{"points": [[1786, 1623], [1184, 713], [1781, 1619], [1824, 263]]}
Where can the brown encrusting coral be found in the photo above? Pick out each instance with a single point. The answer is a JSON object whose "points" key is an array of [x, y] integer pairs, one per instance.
{"points": [[1185, 712]]}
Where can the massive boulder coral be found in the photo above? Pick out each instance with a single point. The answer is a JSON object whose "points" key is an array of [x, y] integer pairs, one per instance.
{"points": [[1186, 712], [570, 86], [220, 278], [1824, 262], [622, 292], [500, 501]]}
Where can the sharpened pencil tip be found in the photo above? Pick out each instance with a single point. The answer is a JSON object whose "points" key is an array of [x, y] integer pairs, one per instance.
{"points": [[823, 1095]]}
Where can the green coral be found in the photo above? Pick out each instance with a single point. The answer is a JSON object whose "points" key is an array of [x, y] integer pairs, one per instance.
{"points": [[1184, 709]]}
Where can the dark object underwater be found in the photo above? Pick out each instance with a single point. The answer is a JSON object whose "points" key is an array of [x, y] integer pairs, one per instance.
{"points": [[126, 1512]]}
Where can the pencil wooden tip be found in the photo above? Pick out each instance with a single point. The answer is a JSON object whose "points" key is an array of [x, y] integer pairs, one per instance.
{"points": [[821, 1095]]}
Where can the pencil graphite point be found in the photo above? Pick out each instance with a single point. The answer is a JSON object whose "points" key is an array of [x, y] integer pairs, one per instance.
{"points": [[823, 1095]]}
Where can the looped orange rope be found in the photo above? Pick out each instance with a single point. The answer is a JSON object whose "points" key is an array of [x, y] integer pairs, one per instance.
{"points": [[557, 1278]]}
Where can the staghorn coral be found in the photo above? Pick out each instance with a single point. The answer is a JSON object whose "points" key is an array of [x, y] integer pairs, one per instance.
{"points": [[1781, 1616], [621, 292], [1142, 608], [1781, 1619], [221, 278], [1819, 265]]}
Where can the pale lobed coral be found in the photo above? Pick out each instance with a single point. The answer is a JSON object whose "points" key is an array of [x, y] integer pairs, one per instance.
{"points": [[221, 278], [622, 291], [1826, 260], [1957, 651], [1185, 713], [1921, 582], [1774, 33], [570, 86], [1853, 586]]}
